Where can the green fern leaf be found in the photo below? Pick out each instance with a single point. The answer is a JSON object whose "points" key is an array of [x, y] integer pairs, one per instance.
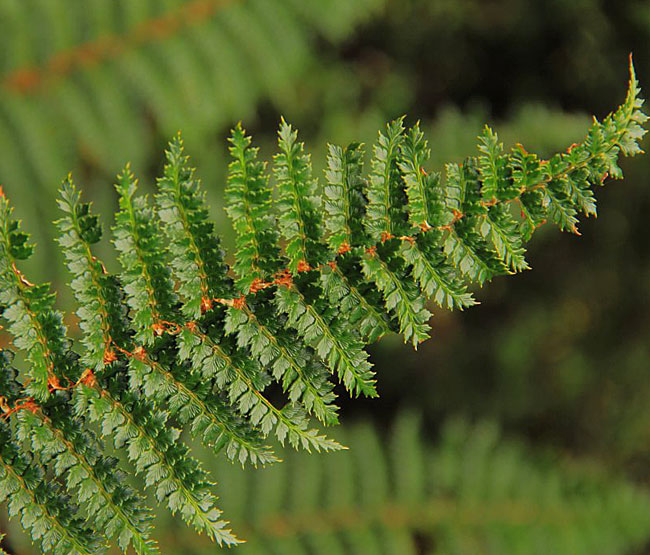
{"points": [[174, 341]]}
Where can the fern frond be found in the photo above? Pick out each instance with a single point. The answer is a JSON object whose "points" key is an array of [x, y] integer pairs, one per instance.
{"points": [[146, 275], [155, 449], [422, 188], [301, 376], [335, 342], [196, 253], [385, 269], [96, 482], [386, 214], [39, 502], [344, 199], [71, 99], [57, 435], [187, 395], [152, 446], [242, 378], [175, 341], [38, 329]]}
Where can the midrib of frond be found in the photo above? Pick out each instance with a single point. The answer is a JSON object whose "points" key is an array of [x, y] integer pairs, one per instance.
{"points": [[189, 234], [412, 517], [297, 205], [347, 201], [27, 80], [91, 267], [247, 212]]}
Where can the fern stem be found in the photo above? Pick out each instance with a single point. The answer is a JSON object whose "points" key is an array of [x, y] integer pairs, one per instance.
{"points": [[28, 80]]}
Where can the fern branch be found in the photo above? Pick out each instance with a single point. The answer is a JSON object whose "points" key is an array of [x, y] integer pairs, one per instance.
{"points": [[197, 257], [146, 276], [55, 433], [188, 398], [110, 505], [154, 448], [248, 201], [298, 217], [42, 510], [386, 216], [288, 422], [344, 200], [296, 370], [384, 269], [344, 286], [334, 342]]}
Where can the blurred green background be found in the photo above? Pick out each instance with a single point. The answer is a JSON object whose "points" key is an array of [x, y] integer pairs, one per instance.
{"points": [[557, 356]]}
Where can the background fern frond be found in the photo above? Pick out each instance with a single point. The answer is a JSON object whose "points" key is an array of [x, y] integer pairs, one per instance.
{"points": [[472, 491], [80, 86]]}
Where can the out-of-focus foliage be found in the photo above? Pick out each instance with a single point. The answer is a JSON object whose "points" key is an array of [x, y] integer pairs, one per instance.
{"points": [[91, 85], [473, 491]]}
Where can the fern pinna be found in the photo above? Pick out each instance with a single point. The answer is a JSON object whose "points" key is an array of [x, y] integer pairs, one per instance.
{"points": [[180, 339]]}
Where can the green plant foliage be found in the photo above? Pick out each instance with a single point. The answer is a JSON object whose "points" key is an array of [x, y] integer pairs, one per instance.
{"points": [[174, 341], [474, 491]]}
